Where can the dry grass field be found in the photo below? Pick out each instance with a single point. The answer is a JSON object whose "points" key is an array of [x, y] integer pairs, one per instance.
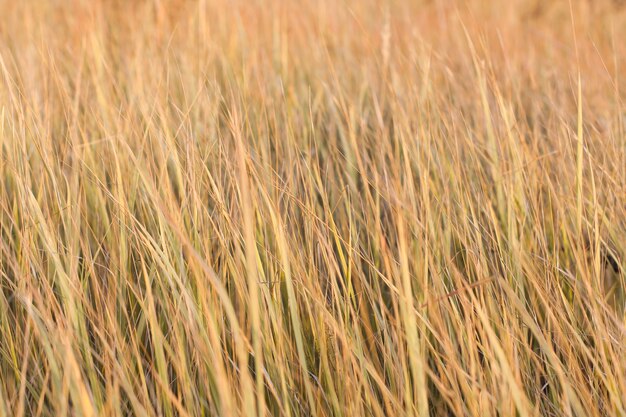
{"points": [[312, 208]]}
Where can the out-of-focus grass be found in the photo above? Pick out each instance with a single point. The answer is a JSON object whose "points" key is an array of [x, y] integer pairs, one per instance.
{"points": [[352, 208]]}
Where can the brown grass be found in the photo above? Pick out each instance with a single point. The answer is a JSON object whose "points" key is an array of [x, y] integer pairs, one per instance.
{"points": [[355, 208]]}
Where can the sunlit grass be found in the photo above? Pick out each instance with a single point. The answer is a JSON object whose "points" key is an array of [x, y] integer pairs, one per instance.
{"points": [[268, 208]]}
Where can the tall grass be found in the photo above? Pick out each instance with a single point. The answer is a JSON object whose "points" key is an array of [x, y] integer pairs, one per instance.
{"points": [[356, 208]]}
